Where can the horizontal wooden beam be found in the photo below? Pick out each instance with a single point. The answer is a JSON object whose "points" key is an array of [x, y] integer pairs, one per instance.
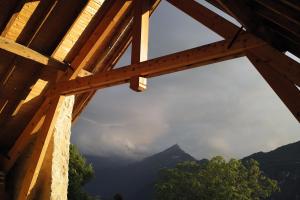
{"points": [[287, 66], [199, 56], [27, 53]]}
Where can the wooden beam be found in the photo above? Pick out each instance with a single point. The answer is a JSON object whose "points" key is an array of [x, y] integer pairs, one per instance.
{"points": [[84, 57], [283, 87], [110, 59], [89, 52], [84, 73], [77, 29], [220, 6], [288, 67], [286, 12], [183, 60], [206, 17], [140, 31], [241, 13], [280, 21], [280, 62], [39, 149], [283, 65], [138, 83], [295, 4], [27, 53], [140, 35], [18, 21]]}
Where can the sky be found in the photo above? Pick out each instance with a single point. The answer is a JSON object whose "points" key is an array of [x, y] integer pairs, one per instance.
{"points": [[222, 109]]}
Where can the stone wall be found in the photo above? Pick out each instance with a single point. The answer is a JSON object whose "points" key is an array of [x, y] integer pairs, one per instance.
{"points": [[52, 182], [60, 154]]}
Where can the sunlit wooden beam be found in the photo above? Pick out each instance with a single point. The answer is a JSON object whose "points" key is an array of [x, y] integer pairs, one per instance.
{"points": [[175, 62], [18, 21], [87, 53], [108, 63], [90, 50], [27, 53]]}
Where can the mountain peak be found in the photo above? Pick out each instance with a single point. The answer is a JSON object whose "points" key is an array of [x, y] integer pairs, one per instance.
{"points": [[174, 152], [174, 147]]}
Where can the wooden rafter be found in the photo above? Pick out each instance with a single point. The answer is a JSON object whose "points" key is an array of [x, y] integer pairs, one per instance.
{"points": [[25, 52], [17, 22], [90, 50], [292, 3], [85, 56], [289, 14], [175, 62], [288, 66], [221, 26], [110, 59], [277, 67], [285, 67], [283, 87], [206, 17]]}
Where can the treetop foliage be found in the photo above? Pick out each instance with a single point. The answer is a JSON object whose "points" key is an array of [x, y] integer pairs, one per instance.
{"points": [[214, 180], [80, 172]]}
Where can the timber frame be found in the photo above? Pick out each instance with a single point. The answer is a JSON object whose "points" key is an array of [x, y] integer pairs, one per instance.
{"points": [[92, 38]]}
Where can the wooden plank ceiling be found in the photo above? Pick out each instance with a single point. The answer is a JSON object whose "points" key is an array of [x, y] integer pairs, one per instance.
{"points": [[67, 39]]}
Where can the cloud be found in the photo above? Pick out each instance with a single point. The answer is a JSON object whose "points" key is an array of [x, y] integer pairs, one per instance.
{"points": [[129, 133]]}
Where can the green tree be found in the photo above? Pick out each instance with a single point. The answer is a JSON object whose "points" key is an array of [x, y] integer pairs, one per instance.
{"points": [[214, 180], [79, 174]]}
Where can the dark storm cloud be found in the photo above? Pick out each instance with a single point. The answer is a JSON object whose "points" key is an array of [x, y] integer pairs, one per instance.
{"points": [[221, 109]]}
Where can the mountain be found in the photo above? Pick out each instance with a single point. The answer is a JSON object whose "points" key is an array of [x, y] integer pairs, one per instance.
{"points": [[283, 165], [134, 181]]}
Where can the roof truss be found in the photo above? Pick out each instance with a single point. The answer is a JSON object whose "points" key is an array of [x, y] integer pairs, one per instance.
{"points": [[281, 72]]}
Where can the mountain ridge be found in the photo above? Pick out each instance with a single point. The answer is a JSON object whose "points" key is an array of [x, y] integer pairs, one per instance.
{"points": [[135, 180]]}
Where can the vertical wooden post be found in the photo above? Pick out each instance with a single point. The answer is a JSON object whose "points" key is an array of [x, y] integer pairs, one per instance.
{"points": [[39, 150], [140, 40]]}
